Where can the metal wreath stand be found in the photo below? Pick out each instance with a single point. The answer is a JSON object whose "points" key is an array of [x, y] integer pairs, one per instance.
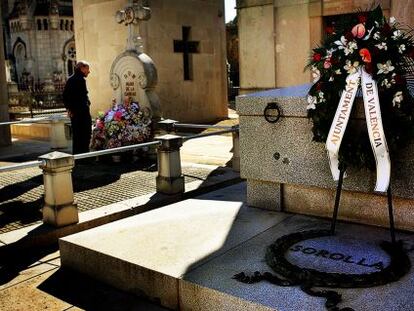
{"points": [[288, 274]]}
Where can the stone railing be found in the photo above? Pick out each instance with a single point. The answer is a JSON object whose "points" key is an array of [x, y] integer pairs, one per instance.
{"points": [[59, 208]]}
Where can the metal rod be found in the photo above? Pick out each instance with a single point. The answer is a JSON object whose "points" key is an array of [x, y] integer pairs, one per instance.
{"points": [[34, 120], [391, 215], [200, 126], [209, 134], [114, 150], [337, 199], [21, 166]]}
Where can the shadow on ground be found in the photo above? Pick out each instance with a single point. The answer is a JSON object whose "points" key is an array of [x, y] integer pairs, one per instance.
{"points": [[88, 294]]}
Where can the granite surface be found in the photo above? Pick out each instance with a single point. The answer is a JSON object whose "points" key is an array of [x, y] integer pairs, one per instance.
{"points": [[283, 152], [134, 252]]}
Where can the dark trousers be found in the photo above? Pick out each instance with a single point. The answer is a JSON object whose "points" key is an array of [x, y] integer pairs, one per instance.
{"points": [[81, 132]]}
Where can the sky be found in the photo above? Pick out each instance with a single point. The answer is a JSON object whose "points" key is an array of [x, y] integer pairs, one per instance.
{"points": [[230, 9]]}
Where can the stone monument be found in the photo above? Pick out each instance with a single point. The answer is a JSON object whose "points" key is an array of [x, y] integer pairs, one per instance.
{"points": [[133, 73], [286, 170]]}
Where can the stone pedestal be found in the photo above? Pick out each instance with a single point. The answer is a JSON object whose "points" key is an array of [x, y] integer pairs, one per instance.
{"points": [[58, 138], [281, 162], [59, 208], [170, 179]]}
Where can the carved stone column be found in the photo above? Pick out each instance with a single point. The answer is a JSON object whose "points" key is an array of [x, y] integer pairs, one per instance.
{"points": [[170, 179], [59, 208]]}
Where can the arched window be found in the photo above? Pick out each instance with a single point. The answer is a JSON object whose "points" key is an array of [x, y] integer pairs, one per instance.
{"points": [[19, 53], [39, 24], [70, 57], [45, 24]]}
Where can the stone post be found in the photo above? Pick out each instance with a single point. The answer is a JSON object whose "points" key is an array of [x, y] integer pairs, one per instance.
{"points": [[5, 136], [170, 179], [57, 133], [236, 151], [59, 208], [166, 126]]}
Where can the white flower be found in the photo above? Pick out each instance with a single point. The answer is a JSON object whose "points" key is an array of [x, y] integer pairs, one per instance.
{"points": [[396, 34], [385, 68], [382, 46], [331, 78], [312, 100], [330, 52], [316, 74], [338, 71], [348, 47], [401, 48], [386, 83], [376, 35], [398, 98], [351, 68], [351, 46], [321, 97], [341, 43], [392, 20]]}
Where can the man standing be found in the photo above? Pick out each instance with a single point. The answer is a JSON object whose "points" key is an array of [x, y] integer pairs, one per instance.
{"points": [[75, 98]]}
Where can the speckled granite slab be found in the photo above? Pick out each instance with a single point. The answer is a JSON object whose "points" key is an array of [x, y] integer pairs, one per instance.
{"points": [[185, 255], [284, 152]]}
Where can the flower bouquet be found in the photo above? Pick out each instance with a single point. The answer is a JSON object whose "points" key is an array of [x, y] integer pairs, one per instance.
{"points": [[122, 125]]}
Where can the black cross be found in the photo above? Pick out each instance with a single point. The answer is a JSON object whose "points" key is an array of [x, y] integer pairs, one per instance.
{"points": [[186, 47]]}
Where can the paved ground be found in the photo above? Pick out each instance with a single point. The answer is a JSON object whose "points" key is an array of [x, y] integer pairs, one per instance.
{"points": [[21, 191], [32, 280]]}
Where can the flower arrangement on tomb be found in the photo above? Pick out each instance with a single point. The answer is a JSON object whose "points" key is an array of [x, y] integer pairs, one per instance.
{"points": [[122, 125], [371, 51]]}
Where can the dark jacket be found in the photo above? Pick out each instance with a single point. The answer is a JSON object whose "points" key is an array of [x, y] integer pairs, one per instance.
{"points": [[75, 94]]}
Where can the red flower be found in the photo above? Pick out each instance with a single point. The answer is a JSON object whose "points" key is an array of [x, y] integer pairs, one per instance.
{"points": [[330, 30], [118, 116], [317, 57], [366, 55], [362, 18]]}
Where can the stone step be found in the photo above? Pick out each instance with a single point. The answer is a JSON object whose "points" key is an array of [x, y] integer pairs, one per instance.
{"points": [[184, 256]]}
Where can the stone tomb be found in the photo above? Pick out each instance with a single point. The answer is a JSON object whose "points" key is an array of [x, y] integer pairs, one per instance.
{"points": [[184, 256], [286, 170]]}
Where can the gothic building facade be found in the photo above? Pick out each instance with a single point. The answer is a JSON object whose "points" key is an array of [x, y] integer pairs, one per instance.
{"points": [[39, 39]]}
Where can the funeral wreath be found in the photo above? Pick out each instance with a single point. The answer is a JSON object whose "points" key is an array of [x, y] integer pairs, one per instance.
{"points": [[376, 53]]}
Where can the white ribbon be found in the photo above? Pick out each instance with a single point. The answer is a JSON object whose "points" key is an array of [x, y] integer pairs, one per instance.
{"points": [[374, 124]]}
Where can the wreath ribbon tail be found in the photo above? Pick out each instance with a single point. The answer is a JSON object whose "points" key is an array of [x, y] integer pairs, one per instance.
{"points": [[340, 121], [376, 131]]}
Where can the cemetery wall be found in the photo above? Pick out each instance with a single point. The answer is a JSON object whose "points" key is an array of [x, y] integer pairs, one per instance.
{"points": [[276, 36], [99, 39]]}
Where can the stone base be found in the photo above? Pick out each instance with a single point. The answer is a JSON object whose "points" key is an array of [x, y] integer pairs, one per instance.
{"points": [[266, 195], [170, 185], [359, 207], [184, 256], [60, 216]]}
